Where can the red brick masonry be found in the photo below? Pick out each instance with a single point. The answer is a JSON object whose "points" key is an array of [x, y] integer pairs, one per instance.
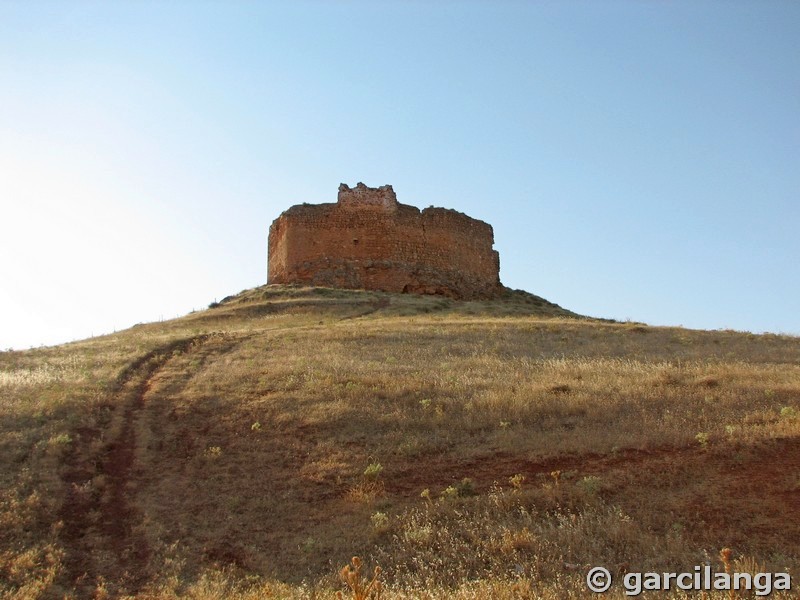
{"points": [[368, 240]]}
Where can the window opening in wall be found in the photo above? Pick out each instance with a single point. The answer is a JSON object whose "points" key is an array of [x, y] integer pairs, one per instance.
{"points": [[355, 242]]}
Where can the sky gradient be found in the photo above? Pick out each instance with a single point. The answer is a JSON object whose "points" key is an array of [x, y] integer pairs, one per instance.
{"points": [[637, 160]]}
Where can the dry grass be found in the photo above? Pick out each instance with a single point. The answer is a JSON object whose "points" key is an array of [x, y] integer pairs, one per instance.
{"points": [[237, 463]]}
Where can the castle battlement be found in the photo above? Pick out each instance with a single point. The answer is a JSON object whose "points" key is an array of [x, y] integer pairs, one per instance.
{"points": [[368, 240], [363, 196]]}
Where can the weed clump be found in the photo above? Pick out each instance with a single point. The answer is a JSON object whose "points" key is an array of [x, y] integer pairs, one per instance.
{"points": [[361, 587]]}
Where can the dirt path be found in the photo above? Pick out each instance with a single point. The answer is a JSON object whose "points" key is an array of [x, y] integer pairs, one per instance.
{"points": [[99, 533]]}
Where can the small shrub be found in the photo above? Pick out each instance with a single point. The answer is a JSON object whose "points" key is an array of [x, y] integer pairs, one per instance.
{"points": [[373, 470], [213, 452], [789, 412], [380, 521], [370, 486], [61, 439], [463, 489], [516, 481], [450, 492], [591, 484], [466, 488]]}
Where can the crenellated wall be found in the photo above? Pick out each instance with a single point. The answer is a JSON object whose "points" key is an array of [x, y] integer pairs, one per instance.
{"points": [[368, 240]]}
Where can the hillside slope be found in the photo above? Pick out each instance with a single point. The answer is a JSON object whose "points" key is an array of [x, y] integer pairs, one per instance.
{"points": [[482, 449]]}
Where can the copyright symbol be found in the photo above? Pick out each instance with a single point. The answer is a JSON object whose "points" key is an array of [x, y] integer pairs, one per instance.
{"points": [[598, 580]]}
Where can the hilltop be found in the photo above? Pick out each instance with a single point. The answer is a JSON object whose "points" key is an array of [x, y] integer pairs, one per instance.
{"points": [[485, 449]]}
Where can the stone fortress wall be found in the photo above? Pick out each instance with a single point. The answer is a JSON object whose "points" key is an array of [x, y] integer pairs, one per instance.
{"points": [[368, 240]]}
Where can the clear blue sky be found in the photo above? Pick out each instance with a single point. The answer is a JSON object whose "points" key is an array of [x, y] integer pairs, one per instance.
{"points": [[637, 160]]}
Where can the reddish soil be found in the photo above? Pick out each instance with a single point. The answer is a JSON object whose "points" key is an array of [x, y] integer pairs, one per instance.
{"points": [[733, 495]]}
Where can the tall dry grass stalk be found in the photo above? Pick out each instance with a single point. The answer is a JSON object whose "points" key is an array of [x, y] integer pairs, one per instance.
{"points": [[361, 587]]}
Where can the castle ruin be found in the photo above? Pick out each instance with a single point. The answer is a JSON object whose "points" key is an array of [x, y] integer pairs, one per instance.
{"points": [[368, 240]]}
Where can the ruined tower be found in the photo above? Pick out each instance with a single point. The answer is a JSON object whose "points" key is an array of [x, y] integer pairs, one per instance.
{"points": [[368, 240]]}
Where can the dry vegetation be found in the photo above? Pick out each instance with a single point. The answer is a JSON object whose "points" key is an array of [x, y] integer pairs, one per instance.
{"points": [[471, 450]]}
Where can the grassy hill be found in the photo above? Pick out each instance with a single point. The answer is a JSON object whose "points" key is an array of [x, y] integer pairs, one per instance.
{"points": [[470, 449]]}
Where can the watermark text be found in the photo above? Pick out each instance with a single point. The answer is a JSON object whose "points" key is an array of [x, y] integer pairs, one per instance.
{"points": [[702, 578]]}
